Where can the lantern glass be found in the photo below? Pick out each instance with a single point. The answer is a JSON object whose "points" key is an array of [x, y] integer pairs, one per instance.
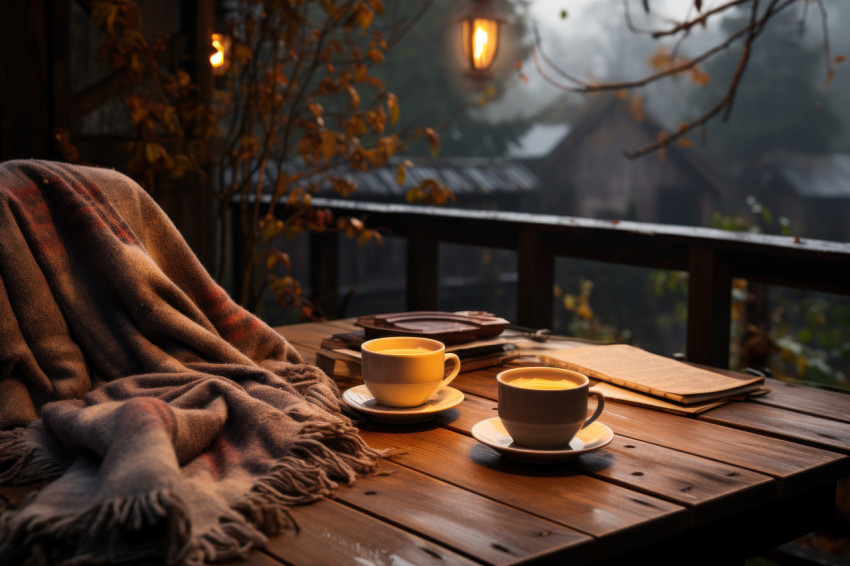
{"points": [[480, 42]]}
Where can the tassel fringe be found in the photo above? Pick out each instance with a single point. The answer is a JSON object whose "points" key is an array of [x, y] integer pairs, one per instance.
{"points": [[23, 461]]}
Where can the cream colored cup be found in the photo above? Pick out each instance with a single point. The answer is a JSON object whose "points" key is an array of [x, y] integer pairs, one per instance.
{"points": [[545, 407], [406, 371]]}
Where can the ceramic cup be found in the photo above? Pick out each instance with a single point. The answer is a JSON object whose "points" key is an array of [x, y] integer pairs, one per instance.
{"points": [[544, 407], [406, 371]]}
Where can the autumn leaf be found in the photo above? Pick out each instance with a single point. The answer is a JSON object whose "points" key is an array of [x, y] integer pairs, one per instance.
{"points": [[376, 55], [393, 108], [275, 257], [153, 152], [433, 140], [400, 174], [269, 229], [328, 145], [355, 97], [316, 109], [840, 58]]}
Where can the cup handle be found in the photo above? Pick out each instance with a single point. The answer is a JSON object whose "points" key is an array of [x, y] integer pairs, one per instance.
{"points": [[455, 370], [600, 404]]}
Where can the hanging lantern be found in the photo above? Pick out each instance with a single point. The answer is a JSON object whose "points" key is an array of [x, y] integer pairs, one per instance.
{"points": [[480, 23]]}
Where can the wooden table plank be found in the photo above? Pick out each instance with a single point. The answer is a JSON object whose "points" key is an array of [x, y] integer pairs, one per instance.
{"points": [[332, 533], [831, 405], [796, 467], [781, 423], [709, 489], [459, 519], [592, 506]]}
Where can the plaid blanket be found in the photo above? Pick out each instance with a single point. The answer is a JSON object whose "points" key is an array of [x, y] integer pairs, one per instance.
{"points": [[170, 424]]}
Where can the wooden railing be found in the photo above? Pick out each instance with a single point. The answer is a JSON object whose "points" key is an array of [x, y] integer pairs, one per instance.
{"points": [[711, 257]]}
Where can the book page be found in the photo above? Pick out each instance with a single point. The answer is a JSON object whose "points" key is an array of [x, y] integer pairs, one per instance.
{"points": [[632, 367], [630, 397]]}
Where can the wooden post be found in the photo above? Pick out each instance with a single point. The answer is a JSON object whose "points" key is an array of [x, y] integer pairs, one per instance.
{"points": [[324, 272], [35, 77], [536, 279], [709, 308], [422, 264]]}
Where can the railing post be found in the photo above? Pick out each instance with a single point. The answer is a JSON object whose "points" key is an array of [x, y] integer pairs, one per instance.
{"points": [[709, 308], [535, 279], [324, 271], [422, 265]]}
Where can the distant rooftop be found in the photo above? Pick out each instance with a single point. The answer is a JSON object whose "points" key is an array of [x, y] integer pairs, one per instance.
{"points": [[818, 176], [539, 141], [470, 175]]}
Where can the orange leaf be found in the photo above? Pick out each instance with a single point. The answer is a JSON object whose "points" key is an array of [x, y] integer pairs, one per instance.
{"points": [[400, 174], [275, 257], [355, 98], [392, 106], [433, 140]]}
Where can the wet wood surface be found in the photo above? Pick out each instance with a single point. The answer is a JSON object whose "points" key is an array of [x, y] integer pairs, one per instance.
{"points": [[665, 485], [665, 482]]}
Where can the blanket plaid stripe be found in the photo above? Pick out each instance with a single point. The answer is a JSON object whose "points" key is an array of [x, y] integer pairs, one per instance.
{"points": [[170, 424]]}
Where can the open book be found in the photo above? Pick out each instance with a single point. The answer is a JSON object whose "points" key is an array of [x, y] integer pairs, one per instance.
{"points": [[639, 370]]}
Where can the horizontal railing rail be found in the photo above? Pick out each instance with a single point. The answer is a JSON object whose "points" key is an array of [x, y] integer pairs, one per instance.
{"points": [[711, 257]]}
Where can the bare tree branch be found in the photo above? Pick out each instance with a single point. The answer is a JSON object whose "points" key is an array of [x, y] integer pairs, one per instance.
{"points": [[758, 20]]}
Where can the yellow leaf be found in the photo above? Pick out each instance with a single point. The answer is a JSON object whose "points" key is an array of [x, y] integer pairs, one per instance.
{"points": [[355, 98], [392, 106], [570, 302], [153, 151], [275, 257], [400, 175], [270, 229], [584, 311]]}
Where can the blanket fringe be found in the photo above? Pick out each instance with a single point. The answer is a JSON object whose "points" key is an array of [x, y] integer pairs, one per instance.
{"points": [[309, 472], [24, 461], [107, 533]]}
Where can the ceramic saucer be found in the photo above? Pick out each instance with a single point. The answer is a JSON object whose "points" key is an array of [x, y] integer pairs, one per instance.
{"points": [[492, 433], [360, 399]]}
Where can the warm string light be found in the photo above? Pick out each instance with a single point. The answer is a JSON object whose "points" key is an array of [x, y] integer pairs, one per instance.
{"points": [[217, 58]]}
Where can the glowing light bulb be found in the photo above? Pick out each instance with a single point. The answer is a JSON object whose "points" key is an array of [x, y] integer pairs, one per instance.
{"points": [[217, 58], [479, 41]]}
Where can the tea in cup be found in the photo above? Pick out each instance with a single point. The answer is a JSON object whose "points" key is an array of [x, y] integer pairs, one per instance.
{"points": [[406, 371], [545, 407]]}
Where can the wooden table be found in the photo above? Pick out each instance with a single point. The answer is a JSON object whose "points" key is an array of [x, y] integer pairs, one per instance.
{"points": [[731, 483], [734, 482]]}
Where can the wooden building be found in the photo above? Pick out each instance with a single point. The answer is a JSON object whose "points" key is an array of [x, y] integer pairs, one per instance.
{"points": [[587, 174]]}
